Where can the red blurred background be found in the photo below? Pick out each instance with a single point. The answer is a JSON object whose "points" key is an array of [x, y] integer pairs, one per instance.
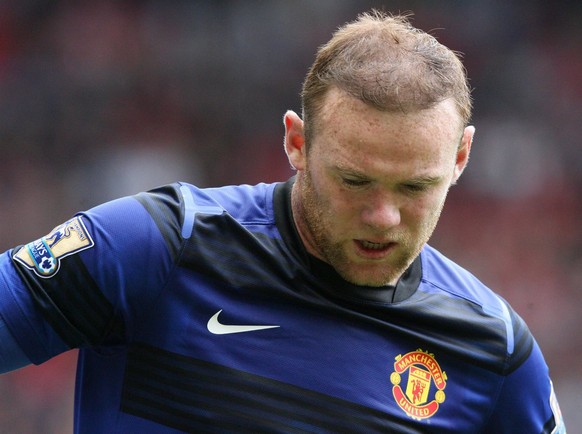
{"points": [[102, 99]]}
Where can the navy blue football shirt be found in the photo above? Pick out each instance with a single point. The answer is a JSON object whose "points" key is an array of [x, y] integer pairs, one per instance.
{"points": [[198, 310]]}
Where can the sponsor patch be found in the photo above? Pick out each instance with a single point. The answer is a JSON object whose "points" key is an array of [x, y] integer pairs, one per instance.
{"points": [[44, 255], [418, 384]]}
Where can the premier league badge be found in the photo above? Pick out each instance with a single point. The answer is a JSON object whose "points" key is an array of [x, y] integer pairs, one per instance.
{"points": [[44, 255]]}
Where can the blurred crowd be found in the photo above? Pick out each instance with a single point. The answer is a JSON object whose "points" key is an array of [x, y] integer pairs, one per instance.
{"points": [[106, 98]]}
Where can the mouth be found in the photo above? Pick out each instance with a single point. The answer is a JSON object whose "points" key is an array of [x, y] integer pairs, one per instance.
{"points": [[373, 250]]}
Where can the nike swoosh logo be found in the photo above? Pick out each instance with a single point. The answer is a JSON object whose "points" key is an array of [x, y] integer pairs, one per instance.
{"points": [[216, 327]]}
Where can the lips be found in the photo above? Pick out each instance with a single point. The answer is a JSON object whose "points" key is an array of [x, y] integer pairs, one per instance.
{"points": [[373, 250]]}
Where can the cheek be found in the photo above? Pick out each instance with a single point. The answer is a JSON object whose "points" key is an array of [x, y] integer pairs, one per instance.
{"points": [[424, 209], [340, 209], [327, 194], [346, 213]]}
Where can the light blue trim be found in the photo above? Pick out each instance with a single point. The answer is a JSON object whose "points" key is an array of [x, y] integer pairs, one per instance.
{"points": [[508, 327], [191, 209], [503, 312], [189, 212]]}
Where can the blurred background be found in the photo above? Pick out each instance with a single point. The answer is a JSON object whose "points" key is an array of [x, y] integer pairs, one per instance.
{"points": [[106, 98]]}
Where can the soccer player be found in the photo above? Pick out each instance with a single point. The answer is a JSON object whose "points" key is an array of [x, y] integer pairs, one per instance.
{"points": [[311, 305]]}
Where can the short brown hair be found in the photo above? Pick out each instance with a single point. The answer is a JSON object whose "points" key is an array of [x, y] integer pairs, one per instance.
{"points": [[386, 62]]}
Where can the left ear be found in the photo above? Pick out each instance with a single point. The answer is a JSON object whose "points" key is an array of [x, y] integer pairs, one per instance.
{"points": [[463, 152]]}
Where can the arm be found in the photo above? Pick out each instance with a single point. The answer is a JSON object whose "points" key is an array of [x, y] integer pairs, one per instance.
{"points": [[25, 335], [83, 284], [526, 401], [11, 355]]}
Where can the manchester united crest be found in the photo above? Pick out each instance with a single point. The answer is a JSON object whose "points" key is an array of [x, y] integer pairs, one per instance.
{"points": [[418, 384]]}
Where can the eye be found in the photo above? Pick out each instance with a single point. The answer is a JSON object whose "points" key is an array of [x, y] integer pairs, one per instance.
{"points": [[414, 188], [354, 182]]}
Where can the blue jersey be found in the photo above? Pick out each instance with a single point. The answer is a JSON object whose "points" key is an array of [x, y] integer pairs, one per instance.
{"points": [[199, 310]]}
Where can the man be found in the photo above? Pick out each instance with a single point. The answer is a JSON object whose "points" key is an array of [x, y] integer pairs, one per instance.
{"points": [[314, 305]]}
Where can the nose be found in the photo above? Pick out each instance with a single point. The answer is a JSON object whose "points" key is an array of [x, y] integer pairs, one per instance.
{"points": [[381, 212]]}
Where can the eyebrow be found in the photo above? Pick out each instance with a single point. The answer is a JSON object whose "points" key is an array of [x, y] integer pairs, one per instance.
{"points": [[420, 180], [424, 180], [349, 171]]}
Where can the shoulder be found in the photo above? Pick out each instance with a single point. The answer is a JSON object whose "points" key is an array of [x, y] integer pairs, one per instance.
{"points": [[443, 276], [448, 276], [244, 206], [185, 201], [246, 203]]}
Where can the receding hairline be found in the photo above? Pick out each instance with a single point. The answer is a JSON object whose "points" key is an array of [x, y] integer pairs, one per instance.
{"points": [[337, 97]]}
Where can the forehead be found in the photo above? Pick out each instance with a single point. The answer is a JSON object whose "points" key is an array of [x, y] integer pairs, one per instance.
{"points": [[351, 130]]}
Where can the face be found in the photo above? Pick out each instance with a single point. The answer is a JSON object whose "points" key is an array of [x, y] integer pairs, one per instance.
{"points": [[370, 190]]}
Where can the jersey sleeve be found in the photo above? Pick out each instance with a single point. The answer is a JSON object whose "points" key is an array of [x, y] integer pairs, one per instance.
{"points": [[11, 355], [526, 400], [85, 283]]}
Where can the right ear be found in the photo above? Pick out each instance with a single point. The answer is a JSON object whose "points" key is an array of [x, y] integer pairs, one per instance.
{"points": [[294, 140]]}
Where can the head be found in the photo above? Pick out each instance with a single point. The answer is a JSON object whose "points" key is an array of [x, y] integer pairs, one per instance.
{"points": [[383, 138]]}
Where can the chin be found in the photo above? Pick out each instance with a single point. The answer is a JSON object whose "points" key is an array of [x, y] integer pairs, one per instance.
{"points": [[367, 273], [372, 278]]}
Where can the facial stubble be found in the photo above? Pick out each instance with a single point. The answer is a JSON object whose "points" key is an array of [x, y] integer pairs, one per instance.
{"points": [[315, 218]]}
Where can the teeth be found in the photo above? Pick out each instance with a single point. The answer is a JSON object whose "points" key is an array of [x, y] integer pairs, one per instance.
{"points": [[375, 246]]}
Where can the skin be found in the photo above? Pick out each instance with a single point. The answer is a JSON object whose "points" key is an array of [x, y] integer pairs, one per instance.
{"points": [[369, 192]]}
